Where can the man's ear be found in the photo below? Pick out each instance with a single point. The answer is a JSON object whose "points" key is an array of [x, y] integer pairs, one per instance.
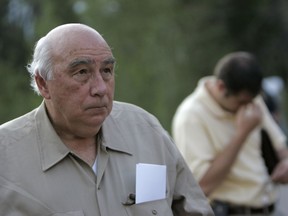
{"points": [[42, 86], [220, 85]]}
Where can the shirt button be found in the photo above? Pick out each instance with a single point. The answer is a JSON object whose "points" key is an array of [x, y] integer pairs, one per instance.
{"points": [[154, 212]]}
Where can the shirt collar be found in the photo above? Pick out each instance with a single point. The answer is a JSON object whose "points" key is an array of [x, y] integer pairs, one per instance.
{"points": [[113, 136], [210, 103], [52, 149]]}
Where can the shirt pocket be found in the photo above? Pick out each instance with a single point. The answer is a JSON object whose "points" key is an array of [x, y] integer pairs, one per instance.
{"points": [[71, 213], [158, 208]]}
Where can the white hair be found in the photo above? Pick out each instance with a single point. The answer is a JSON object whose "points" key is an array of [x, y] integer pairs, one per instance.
{"points": [[41, 63]]}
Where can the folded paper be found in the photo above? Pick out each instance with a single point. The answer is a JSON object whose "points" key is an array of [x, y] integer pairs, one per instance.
{"points": [[150, 182]]}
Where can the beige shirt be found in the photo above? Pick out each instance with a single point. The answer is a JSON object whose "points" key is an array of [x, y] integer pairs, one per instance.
{"points": [[39, 175], [202, 129]]}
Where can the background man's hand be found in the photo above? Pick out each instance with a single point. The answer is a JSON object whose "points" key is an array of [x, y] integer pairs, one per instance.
{"points": [[247, 118], [280, 174]]}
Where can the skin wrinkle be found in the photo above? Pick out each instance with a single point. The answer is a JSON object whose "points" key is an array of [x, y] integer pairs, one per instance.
{"points": [[88, 61]]}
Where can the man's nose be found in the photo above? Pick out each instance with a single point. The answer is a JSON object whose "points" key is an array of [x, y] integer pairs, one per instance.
{"points": [[98, 85]]}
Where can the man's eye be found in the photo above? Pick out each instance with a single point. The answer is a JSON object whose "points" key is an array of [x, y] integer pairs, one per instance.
{"points": [[107, 73], [82, 75], [107, 70], [82, 72]]}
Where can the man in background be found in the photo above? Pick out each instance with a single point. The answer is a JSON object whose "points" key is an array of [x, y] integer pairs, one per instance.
{"points": [[217, 129]]}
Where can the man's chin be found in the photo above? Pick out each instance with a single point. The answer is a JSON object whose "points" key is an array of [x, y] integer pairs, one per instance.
{"points": [[95, 121], [88, 132]]}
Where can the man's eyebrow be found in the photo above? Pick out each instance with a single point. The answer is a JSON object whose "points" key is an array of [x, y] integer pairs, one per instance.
{"points": [[110, 60], [80, 61], [87, 61]]}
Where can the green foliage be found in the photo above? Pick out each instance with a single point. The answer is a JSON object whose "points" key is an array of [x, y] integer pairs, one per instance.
{"points": [[162, 47], [16, 96]]}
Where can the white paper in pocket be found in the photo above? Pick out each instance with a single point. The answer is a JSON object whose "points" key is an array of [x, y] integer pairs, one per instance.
{"points": [[150, 182]]}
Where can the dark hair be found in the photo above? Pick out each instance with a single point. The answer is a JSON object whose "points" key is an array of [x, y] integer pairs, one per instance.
{"points": [[240, 71]]}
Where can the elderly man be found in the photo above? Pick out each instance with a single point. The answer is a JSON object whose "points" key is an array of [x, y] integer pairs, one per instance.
{"points": [[76, 154]]}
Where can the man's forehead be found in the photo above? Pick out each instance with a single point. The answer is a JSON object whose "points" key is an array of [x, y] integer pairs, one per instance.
{"points": [[86, 60], [100, 50], [244, 97], [87, 54]]}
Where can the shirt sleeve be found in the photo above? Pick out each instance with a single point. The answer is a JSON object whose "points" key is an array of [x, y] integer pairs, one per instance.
{"points": [[188, 198], [192, 139], [269, 124]]}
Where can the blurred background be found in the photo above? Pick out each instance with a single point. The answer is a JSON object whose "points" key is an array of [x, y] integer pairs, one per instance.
{"points": [[162, 48]]}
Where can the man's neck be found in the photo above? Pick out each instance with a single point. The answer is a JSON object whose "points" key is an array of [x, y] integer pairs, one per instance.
{"points": [[211, 87], [86, 149]]}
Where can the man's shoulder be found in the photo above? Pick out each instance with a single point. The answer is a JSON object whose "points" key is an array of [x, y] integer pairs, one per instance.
{"points": [[123, 106], [191, 105], [128, 112], [17, 122], [17, 128]]}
